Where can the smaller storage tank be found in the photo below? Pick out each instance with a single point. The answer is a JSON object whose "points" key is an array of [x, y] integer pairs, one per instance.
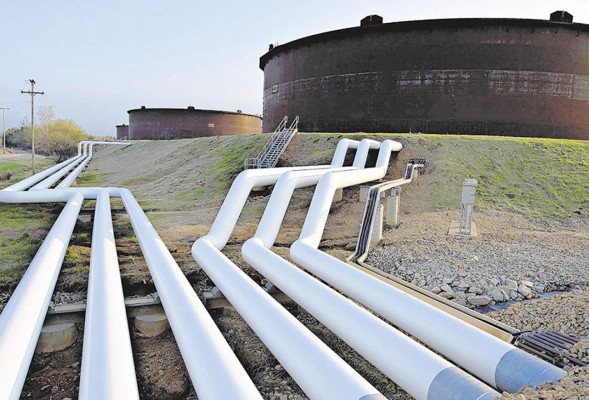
{"points": [[176, 123], [122, 132]]}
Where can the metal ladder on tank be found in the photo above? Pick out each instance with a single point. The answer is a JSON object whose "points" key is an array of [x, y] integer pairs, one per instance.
{"points": [[273, 149]]}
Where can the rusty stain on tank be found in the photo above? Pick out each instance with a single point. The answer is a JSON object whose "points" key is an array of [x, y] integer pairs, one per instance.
{"points": [[515, 77], [175, 123]]}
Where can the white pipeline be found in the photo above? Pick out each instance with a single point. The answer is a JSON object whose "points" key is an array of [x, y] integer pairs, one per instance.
{"points": [[38, 177], [498, 363], [214, 369], [47, 177], [69, 180], [107, 369], [52, 179], [301, 353], [407, 363], [22, 318]]}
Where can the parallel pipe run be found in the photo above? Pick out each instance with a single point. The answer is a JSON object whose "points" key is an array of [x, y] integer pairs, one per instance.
{"points": [[69, 180], [213, 367], [407, 363], [107, 370], [49, 176], [52, 179], [477, 351], [32, 180], [302, 354], [22, 318]]}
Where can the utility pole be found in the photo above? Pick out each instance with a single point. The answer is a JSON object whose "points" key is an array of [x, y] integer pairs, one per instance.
{"points": [[3, 130], [32, 93]]}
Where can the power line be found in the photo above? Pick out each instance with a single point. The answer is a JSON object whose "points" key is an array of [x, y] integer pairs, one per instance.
{"points": [[32, 93], [3, 129]]}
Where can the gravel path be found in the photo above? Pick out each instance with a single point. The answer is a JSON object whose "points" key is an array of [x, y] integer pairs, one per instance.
{"points": [[512, 258]]}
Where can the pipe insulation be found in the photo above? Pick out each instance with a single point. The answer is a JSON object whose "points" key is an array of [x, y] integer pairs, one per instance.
{"points": [[38, 177], [475, 350], [302, 354], [52, 179], [214, 369], [212, 366], [22, 318], [242, 185], [407, 363], [69, 180], [107, 371], [42, 179]]}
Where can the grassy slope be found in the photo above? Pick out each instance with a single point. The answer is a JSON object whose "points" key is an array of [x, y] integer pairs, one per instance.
{"points": [[22, 227], [16, 167], [540, 177]]}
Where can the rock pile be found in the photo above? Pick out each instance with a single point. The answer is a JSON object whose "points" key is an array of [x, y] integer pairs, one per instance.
{"points": [[498, 266], [566, 313]]}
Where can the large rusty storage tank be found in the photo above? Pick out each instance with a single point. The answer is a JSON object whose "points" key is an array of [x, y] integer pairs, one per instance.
{"points": [[175, 123], [481, 76], [122, 132]]}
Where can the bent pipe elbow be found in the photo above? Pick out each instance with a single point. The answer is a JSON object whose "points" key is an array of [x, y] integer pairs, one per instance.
{"points": [[341, 150]]}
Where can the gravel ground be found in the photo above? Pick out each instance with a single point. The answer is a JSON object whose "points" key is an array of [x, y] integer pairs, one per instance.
{"points": [[512, 258], [566, 312]]}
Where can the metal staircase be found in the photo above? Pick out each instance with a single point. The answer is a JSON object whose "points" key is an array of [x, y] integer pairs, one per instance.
{"points": [[371, 208], [269, 155]]}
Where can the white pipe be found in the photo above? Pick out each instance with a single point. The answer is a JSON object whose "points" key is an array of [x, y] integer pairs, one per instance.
{"points": [[52, 179], [320, 373], [301, 353], [407, 363], [107, 369], [61, 167], [213, 367], [238, 193], [55, 196], [67, 182], [484, 355], [22, 318], [31, 180]]}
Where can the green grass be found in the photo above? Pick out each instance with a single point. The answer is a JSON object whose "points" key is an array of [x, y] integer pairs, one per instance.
{"points": [[90, 180], [540, 177], [16, 168], [228, 160], [22, 229]]}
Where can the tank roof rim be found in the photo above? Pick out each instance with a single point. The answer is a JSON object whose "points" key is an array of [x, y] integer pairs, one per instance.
{"points": [[168, 109], [414, 24]]}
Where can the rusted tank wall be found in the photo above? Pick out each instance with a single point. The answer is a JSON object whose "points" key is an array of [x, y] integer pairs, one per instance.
{"points": [[171, 123], [479, 76], [122, 132]]}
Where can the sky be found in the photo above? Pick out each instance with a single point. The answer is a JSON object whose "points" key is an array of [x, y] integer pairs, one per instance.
{"points": [[97, 59]]}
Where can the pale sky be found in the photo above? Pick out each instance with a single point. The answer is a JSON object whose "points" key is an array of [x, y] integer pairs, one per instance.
{"points": [[97, 59]]}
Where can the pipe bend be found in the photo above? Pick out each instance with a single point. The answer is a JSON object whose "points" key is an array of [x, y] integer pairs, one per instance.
{"points": [[372, 144], [341, 150], [251, 244]]}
